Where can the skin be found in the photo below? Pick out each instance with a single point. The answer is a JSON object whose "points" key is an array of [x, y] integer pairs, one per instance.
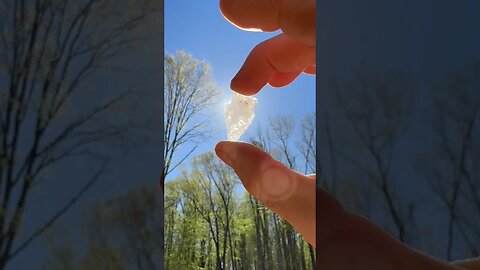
{"points": [[345, 240]]}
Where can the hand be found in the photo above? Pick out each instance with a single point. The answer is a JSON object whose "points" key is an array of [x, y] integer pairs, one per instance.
{"points": [[279, 60], [346, 241]]}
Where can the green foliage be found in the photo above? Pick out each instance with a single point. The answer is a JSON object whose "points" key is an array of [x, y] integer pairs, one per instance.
{"points": [[209, 223], [228, 229]]}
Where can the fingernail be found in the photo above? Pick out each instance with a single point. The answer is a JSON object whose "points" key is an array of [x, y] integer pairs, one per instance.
{"points": [[226, 151]]}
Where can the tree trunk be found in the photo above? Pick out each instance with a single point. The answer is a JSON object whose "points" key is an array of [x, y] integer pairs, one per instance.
{"points": [[312, 256], [259, 243], [278, 242], [302, 255]]}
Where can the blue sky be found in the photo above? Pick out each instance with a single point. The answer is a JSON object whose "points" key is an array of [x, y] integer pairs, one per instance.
{"points": [[199, 28]]}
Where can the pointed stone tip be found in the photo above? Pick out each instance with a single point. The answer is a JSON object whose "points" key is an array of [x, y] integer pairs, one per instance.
{"points": [[239, 115]]}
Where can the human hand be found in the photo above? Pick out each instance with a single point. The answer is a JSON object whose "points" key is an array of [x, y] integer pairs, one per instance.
{"points": [[277, 61], [345, 241], [281, 59]]}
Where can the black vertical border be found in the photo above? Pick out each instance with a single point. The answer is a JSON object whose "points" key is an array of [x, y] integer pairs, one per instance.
{"points": [[162, 161], [319, 35]]}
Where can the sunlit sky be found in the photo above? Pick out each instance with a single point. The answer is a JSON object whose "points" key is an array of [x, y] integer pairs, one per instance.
{"points": [[199, 28]]}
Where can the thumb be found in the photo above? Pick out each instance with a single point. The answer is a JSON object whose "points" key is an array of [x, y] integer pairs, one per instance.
{"points": [[289, 194]]}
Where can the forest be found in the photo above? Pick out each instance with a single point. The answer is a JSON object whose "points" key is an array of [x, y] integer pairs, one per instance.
{"points": [[211, 223], [210, 220]]}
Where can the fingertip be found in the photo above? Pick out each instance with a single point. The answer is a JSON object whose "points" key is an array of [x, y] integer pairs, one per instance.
{"points": [[250, 15], [244, 158], [222, 145], [277, 62], [226, 151], [243, 87], [266, 179], [227, 8], [218, 146], [224, 7]]}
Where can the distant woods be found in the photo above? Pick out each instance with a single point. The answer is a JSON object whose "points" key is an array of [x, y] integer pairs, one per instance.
{"points": [[210, 224]]}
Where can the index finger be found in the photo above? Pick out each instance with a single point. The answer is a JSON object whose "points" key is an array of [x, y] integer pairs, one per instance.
{"points": [[296, 18], [276, 61]]}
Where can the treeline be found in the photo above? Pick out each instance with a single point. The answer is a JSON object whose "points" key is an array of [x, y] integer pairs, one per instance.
{"points": [[211, 223]]}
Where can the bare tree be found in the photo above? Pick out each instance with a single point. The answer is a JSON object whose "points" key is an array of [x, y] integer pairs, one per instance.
{"points": [[308, 144], [308, 150], [282, 129], [48, 51], [376, 109], [189, 91], [452, 174]]}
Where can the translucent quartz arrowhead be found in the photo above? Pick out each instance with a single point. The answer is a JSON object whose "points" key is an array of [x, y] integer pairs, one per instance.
{"points": [[239, 115]]}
